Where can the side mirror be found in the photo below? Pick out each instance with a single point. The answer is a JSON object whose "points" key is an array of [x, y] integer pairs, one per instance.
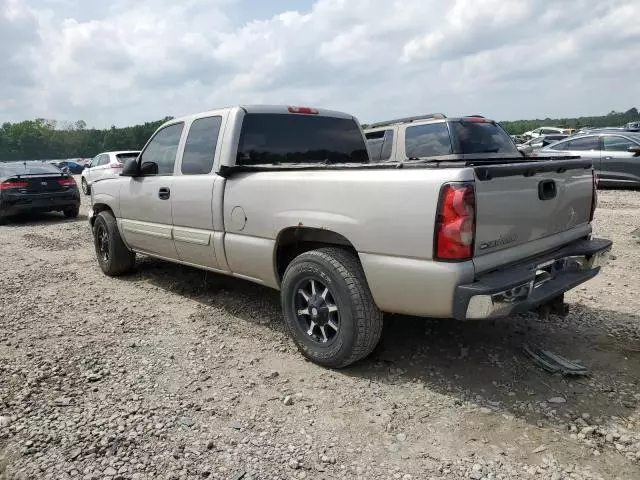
{"points": [[149, 168], [634, 150], [131, 168]]}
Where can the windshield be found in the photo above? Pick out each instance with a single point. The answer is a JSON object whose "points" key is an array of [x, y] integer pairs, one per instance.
{"points": [[8, 169], [482, 137], [268, 138]]}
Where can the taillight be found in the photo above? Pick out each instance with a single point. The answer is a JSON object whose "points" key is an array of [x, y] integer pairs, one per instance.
{"points": [[305, 110], [455, 222], [116, 165], [66, 182], [594, 197], [11, 184]]}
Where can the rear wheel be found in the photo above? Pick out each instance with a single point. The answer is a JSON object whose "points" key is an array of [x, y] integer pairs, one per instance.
{"points": [[328, 307], [86, 189], [72, 211], [114, 257]]}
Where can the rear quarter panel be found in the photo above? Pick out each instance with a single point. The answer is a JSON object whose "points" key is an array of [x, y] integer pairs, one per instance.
{"points": [[386, 214]]}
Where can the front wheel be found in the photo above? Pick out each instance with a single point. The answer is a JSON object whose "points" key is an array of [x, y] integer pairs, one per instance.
{"points": [[113, 255], [85, 187], [328, 307]]}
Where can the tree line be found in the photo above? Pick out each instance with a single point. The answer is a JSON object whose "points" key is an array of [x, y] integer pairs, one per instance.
{"points": [[43, 139], [612, 119]]}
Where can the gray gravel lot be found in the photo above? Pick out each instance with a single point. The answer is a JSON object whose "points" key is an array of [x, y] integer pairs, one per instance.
{"points": [[175, 373]]}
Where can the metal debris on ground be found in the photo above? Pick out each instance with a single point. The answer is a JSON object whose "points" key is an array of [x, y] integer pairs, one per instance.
{"points": [[554, 363]]}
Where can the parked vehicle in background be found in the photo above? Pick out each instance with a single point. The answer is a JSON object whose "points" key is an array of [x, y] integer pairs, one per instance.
{"points": [[73, 167], [36, 187], [105, 165], [632, 127], [287, 197], [537, 143], [436, 136], [541, 131], [615, 155]]}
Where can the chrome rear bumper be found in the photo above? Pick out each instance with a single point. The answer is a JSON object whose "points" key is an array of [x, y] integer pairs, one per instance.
{"points": [[525, 286]]}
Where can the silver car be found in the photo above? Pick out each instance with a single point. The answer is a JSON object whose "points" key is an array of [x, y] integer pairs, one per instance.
{"points": [[105, 165], [615, 155]]}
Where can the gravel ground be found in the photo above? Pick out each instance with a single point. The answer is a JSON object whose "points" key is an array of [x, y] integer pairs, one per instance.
{"points": [[174, 373]]}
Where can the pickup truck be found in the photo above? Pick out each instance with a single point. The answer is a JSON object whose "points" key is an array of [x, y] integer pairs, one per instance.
{"points": [[287, 197]]}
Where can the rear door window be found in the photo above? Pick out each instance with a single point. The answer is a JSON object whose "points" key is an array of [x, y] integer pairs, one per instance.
{"points": [[200, 148], [427, 140], [584, 143], [268, 139], [560, 146], [482, 137]]}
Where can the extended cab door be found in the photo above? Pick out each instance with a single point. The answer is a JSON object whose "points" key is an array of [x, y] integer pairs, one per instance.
{"points": [[145, 200], [618, 163], [194, 196]]}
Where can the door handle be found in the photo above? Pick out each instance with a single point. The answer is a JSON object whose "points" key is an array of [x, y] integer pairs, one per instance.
{"points": [[547, 190], [608, 158], [164, 193]]}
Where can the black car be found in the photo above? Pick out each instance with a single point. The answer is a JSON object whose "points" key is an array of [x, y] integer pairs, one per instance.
{"points": [[36, 187]]}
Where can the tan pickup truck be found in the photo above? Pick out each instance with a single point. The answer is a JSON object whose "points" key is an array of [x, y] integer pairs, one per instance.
{"points": [[287, 197]]}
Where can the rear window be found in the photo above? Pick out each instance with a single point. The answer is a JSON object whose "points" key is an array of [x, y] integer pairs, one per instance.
{"points": [[482, 137], [27, 168], [124, 157], [268, 138]]}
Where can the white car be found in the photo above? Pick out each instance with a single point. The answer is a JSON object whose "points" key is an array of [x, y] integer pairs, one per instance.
{"points": [[542, 131], [105, 165]]}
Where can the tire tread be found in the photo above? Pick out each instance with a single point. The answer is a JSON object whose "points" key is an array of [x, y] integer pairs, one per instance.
{"points": [[122, 259]]}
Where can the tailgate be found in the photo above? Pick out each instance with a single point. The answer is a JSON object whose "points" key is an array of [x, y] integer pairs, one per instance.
{"points": [[523, 203]]}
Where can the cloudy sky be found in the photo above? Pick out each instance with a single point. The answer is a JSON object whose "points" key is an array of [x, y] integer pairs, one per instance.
{"points": [[119, 62]]}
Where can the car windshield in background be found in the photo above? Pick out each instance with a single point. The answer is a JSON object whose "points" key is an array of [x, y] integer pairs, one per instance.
{"points": [[27, 168], [268, 138], [482, 137]]}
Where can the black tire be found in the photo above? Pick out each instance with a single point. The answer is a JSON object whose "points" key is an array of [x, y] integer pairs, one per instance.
{"points": [[359, 319], [114, 257], [86, 189], [72, 211]]}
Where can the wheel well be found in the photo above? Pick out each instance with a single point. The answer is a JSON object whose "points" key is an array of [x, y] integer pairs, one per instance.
{"points": [[297, 240], [97, 208]]}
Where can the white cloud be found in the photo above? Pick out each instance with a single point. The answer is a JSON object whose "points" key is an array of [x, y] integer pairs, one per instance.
{"points": [[129, 61]]}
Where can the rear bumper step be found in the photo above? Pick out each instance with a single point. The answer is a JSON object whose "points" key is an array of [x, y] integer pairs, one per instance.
{"points": [[526, 286]]}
